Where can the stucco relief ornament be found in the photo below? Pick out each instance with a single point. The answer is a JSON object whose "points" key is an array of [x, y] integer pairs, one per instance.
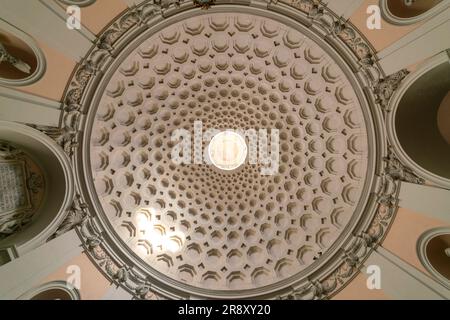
{"points": [[204, 4], [358, 249], [118, 274], [397, 171], [8, 152], [165, 4], [385, 88], [76, 215], [306, 5], [313, 290], [144, 292], [352, 258], [345, 31], [65, 136]]}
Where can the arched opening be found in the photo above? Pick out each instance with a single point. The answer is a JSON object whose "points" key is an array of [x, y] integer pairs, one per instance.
{"points": [[21, 60], [18, 59], [54, 290], [58, 190], [433, 250], [405, 12], [52, 294], [22, 188], [437, 251], [416, 121], [410, 8]]}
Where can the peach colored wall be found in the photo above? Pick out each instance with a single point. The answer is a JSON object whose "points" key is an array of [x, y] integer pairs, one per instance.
{"points": [[357, 290], [99, 14], [96, 16], [93, 284], [401, 239], [59, 66], [388, 33], [55, 78]]}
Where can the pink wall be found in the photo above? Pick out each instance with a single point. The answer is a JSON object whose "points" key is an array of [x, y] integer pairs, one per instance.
{"points": [[93, 284]]}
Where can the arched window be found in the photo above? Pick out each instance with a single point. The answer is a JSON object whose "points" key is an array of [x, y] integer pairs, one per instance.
{"points": [[419, 121], [433, 249], [80, 3], [404, 12], [55, 290], [21, 61]]}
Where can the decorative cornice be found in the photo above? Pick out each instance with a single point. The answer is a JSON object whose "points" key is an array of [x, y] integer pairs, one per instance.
{"points": [[345, 31], [119, 274]]}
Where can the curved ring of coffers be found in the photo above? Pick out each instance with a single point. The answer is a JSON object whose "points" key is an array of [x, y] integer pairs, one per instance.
{"points": [[339, 264]]}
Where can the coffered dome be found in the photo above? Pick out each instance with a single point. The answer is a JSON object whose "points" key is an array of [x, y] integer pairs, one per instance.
{"points": [[217, 149], [247, 228]]}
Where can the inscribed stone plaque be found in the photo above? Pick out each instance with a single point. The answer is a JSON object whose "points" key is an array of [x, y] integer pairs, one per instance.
{"points": [[14, 196]]}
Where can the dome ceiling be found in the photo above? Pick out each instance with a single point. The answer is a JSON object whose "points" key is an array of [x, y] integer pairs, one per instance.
{"points": [[222, 150], [210, 228], [296, 221]]}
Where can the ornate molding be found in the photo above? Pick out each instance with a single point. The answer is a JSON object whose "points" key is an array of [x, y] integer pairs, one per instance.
{"points": [[386, 87], [345, 32], [119, 273], [75, 216], [398, 171]]}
